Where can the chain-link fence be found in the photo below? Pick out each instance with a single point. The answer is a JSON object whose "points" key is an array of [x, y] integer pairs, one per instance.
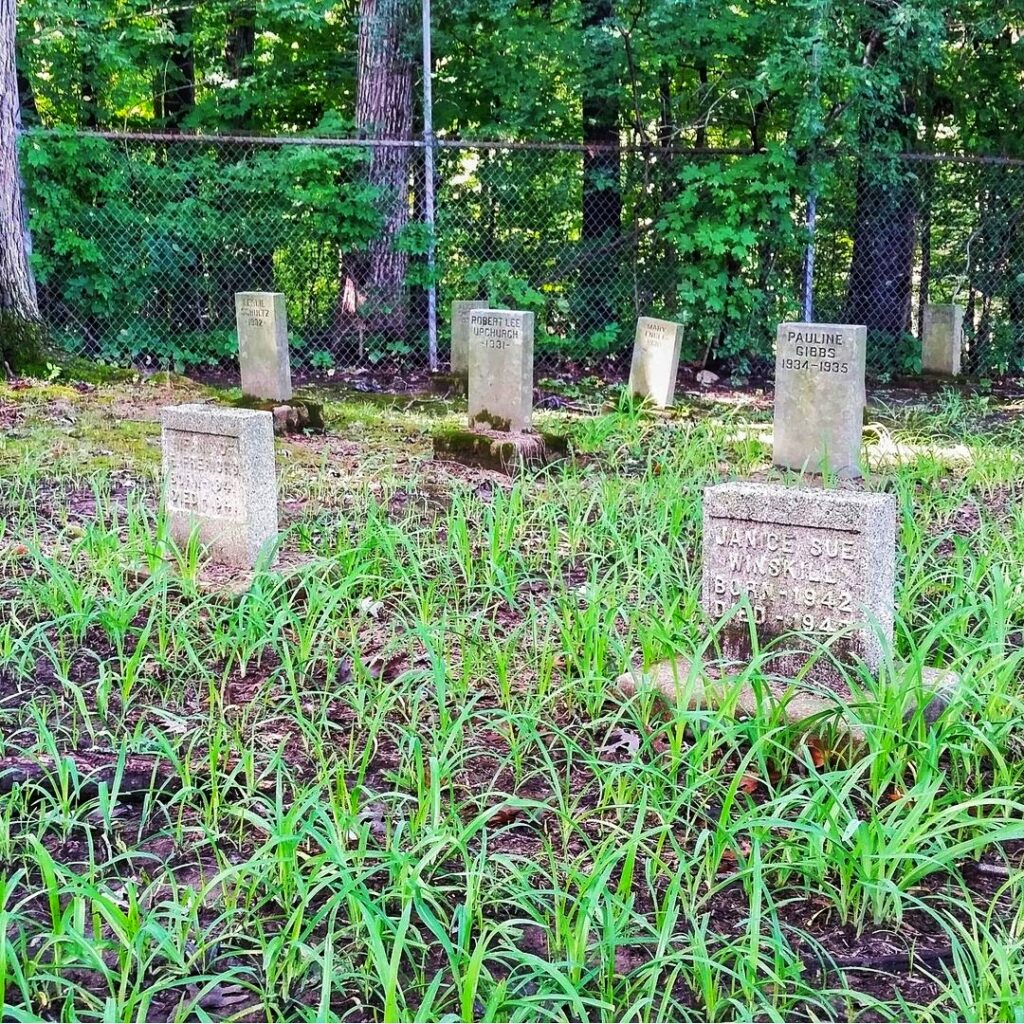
{"points": [[140, 242]]}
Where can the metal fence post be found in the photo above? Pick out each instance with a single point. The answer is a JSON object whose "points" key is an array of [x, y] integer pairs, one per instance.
{"points": [[428, 188]]}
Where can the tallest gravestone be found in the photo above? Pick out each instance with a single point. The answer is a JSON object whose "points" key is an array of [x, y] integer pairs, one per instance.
{"points": [[819, 397]]}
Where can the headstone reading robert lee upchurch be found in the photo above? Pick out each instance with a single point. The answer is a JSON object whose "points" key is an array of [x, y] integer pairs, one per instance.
{"points": [[461, 308], [819, 397], [810, 561], [262, 323], [652, 372], [219, 477], [500, 370], [942, 337]]}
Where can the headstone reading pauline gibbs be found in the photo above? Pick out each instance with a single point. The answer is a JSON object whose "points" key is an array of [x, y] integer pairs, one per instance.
{"points": [[461, 308], [809, 561], [942, 338], [652, 373], [219, 478], [819, 397], [501, 370], [262, 323]]}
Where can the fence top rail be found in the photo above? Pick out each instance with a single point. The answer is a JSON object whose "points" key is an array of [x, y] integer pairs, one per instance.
{"points": [[228, 139]]}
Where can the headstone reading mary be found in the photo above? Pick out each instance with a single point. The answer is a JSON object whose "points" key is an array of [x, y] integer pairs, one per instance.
{"points": [[652, 373], [819, 397]]}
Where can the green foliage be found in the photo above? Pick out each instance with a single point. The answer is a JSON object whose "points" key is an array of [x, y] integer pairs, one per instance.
{"points": [[730, 224]]}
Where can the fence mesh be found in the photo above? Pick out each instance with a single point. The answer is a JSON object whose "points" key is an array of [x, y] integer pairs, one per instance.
{"points": [[140, 243]]}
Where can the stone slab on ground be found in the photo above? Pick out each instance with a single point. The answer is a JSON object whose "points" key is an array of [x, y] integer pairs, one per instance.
{"points": [[499, 451], [721, 688], [263, 356], [942, 338], [655, 363], [819, 397], [220, 480], [298, 416]]}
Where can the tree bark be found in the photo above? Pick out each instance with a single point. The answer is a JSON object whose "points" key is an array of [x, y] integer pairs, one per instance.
{"points": [[373, 283], [20, 328], [602, 165], [240, 43]]}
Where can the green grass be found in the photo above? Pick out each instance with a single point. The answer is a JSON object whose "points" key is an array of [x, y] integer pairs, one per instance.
{"points": [[398, 784]]}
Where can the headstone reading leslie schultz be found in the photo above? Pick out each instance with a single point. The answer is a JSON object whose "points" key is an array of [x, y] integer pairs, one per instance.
{"points": [[262, 323], [942, 337]]}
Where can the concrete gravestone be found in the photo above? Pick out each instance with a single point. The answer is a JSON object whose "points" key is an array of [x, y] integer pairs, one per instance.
{"points": [[652, 373], [461, 308], [218, 468], [942, 336], [263, 345], [815, 562], [501, 370], [819, 397]]}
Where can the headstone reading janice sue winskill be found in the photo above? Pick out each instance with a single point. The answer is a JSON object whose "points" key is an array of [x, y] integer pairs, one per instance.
{"points": [[817, 563], [652, 372], [461, 308], [942, 338], [501, 370], [263, 356], [219, 479], [819, 397]]}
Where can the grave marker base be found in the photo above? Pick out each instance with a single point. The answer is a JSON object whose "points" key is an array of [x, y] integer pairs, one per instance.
{"points": [[717, 686], [296, 416], [493, 449]]}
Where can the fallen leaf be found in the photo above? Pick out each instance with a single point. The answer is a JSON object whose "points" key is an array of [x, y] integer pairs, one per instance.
{"points": [[749, 783]]}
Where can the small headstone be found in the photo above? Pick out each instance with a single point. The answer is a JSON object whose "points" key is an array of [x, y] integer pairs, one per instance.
{"points": [[500, 369], [652, 373], [942, 337], [819, 397], [263, 345], [218, 469], [815, 562], [461, 308]]}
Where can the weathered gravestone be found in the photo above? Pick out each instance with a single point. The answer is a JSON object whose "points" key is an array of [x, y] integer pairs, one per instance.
{"points": [[219, 479], [811, 573], [501, 370], [819, 397], [652, 373], [461, 308], [821, 563], [263, 345], [500, 434], [942, 336]]}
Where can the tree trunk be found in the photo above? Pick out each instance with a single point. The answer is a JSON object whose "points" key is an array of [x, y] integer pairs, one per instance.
{"points": [[240, 43], [881, 272], [602, 165], [374, 281], [20, 328]]}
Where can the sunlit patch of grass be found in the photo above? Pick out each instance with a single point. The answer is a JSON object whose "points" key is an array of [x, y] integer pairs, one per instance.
{"points": [[398, 785]]}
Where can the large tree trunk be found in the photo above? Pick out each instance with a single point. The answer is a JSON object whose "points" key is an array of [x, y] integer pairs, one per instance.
{"points": [[881, 272], [374, 281], [19, 313], [240, 42], [602, 191]]}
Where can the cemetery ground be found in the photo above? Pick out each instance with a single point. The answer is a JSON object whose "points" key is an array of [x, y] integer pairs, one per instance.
{"points": [[393, 779]]}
